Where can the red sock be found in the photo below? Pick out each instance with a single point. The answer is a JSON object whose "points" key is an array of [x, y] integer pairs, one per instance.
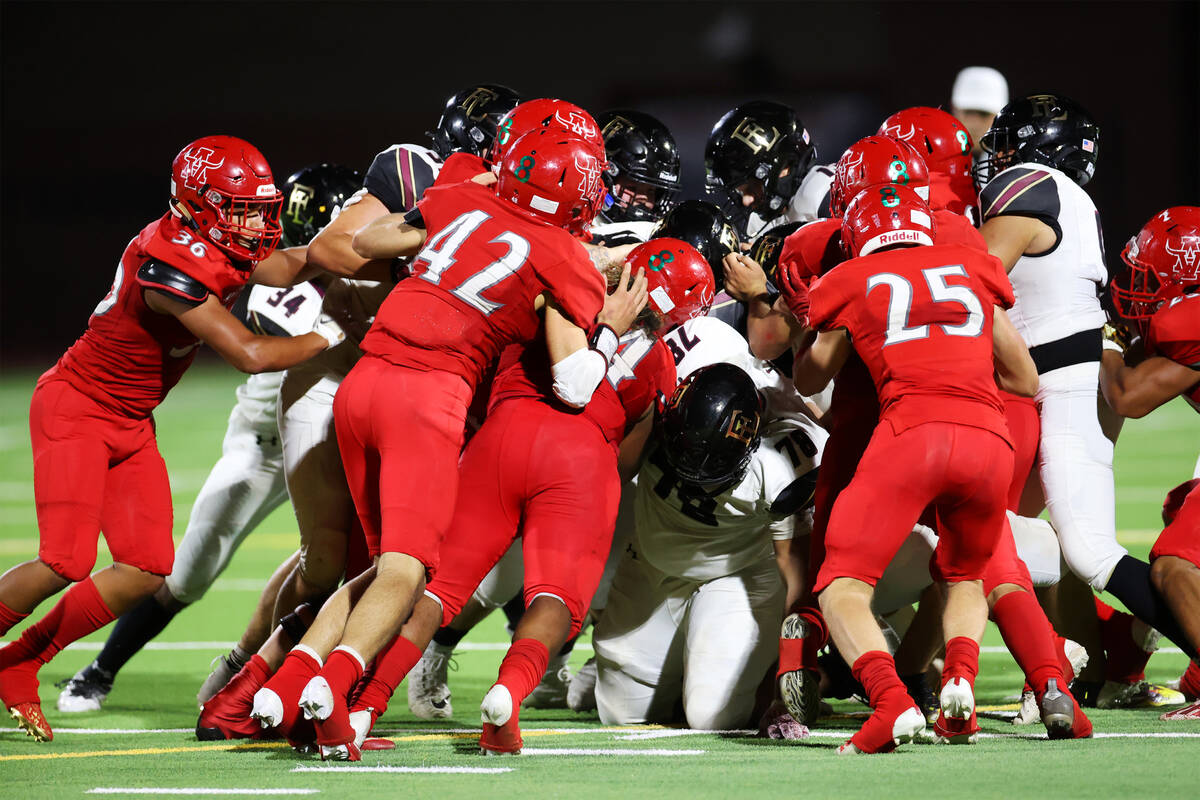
{"points": [[962, 660], [297, 669], [1032, 642], [1125, 661], [79, 612], [342, 670], [391, 666], [1104, 611], [258, 670], [1189, 682], [9, 618], [876, 671], [522, 669]]}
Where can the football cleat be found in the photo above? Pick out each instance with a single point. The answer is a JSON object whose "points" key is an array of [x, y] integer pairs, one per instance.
{"points": [[956, 722], [362, 721], [1057, 711], [906, 727], [922, 694], [316, 701], [30, 719], [223, 670], [267, 708], [1187, 713], [581, 693], [551, 692], [1141, 694], [341, 752], [1029, 712], [86, 691], [229, 713], [800, 689], [497, 705], [501, 731], [428, 693]]}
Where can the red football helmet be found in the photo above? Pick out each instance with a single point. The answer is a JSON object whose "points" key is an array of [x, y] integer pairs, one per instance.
{"points": [[223, 186], [1163, 261], [679, 280], [937, 135], [544, 112], [885, 215], [554, 177], [877, 160]]}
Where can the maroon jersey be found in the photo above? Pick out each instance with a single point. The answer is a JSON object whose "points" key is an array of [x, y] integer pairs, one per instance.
{"points": [[921, 320], [642, 370], [1174, 333], [459, 167], [129, 357], [473, 287]]}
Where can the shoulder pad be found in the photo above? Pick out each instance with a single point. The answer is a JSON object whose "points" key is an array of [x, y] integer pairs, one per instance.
{"points": [[797, 495], [400, 175], [165, 278], [1022, 191]]}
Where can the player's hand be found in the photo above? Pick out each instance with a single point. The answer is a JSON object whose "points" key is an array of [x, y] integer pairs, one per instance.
{"points": [[327, 328], [1119, 337], [744, 278], [608, 260], [795, 294], [626, 301], [777, 723], [485, 178]]}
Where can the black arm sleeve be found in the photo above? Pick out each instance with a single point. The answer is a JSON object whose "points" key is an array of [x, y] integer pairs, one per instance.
{"points": [[398, 177], [179, 285]]}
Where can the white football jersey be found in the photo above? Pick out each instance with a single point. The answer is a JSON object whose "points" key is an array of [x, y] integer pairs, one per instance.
{"points": [[613, 234], [1057, 292]]}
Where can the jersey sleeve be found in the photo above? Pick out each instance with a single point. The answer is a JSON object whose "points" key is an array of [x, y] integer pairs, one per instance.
{"points": [[399, 176], [1023, 192], [172, 281], [956, 229], [990, 272], [459, 167], [1175, 332], [577, 287], [827, 302]]}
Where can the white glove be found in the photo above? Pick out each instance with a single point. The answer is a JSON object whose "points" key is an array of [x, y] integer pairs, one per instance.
{"points": [[330, 330]]}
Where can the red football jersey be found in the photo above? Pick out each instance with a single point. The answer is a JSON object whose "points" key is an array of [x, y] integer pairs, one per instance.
{"points": [[921, 320], [1174, 333], [129, 357], [473, 286], [642, 369], [955, 194], [459, 167]]}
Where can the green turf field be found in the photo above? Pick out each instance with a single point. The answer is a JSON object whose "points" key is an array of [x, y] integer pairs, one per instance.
{"points": [[142, 739]]}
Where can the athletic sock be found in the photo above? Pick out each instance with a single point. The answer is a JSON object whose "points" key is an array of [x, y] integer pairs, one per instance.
{"points": [[9, 618], [522, 668], [1125, 662], [391, 666], [876, 671], [1029, 638], [1130, 583], [79, 612], [342, 670], [449, 637], [133, 630], [962, 660]]}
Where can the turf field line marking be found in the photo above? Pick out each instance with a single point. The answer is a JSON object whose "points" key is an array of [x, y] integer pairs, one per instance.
{"points": [[524, 731], [1035, 736], [609, 751], [199, 790], [421, 770], [119, 731], [150, 751], [667, 734]]}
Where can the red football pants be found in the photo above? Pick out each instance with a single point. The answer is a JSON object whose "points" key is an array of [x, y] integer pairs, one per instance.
{"points": [[95, 471], [961, 471], [1182, 537], [400, 432], [543, 474], [1025, 429]]}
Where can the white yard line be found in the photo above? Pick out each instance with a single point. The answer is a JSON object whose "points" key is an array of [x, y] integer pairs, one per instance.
{"points": [[194, 791], [421, 770], [624, 751]]}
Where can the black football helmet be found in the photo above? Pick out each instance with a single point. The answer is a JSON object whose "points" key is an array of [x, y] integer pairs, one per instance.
{"points": [[706, 228], [468, 123], [311, 196], [769, 244], [710, 427], [641, 149], [1047, 129], [757, 141]]}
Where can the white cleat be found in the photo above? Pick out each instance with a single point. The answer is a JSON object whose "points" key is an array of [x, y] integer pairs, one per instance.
{"points": [[267, 709], [908, 726], [428, 693], [1077, 654], [497, 706], [958, 701], [1029, 713], [581, 694], [316, 701], [86, 691], [361, 722], [552, 691]]}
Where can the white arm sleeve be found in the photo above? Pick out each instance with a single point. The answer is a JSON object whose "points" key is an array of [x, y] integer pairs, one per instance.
{"points": [[577, 376]]}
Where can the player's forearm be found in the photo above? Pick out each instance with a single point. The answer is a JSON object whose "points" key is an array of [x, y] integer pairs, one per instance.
{"points": [[1015, 370], [388, 237], [285, 267], [769, 334], [273, 353], [792, 557], [1134, 392]]}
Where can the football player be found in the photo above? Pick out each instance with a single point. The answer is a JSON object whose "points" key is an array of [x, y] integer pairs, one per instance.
{"points": [[1041, 224], [945, 146], [699, 591], [564, 512], [644, 171], [246, 484], [1159, 294], [755, 160], [484, 255], [97, 466], [942, 441]]}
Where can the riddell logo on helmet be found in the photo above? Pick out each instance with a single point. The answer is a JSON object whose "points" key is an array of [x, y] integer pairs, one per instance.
{"points": [[896, 237], [575, 122], [755, 136], [198, 163]]}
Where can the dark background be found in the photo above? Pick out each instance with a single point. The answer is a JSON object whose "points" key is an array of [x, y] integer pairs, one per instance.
{"points": [[99, 97]]}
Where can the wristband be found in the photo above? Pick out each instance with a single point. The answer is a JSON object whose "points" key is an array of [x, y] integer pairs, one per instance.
{"points": [[604, 341], [1109, 344]]}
